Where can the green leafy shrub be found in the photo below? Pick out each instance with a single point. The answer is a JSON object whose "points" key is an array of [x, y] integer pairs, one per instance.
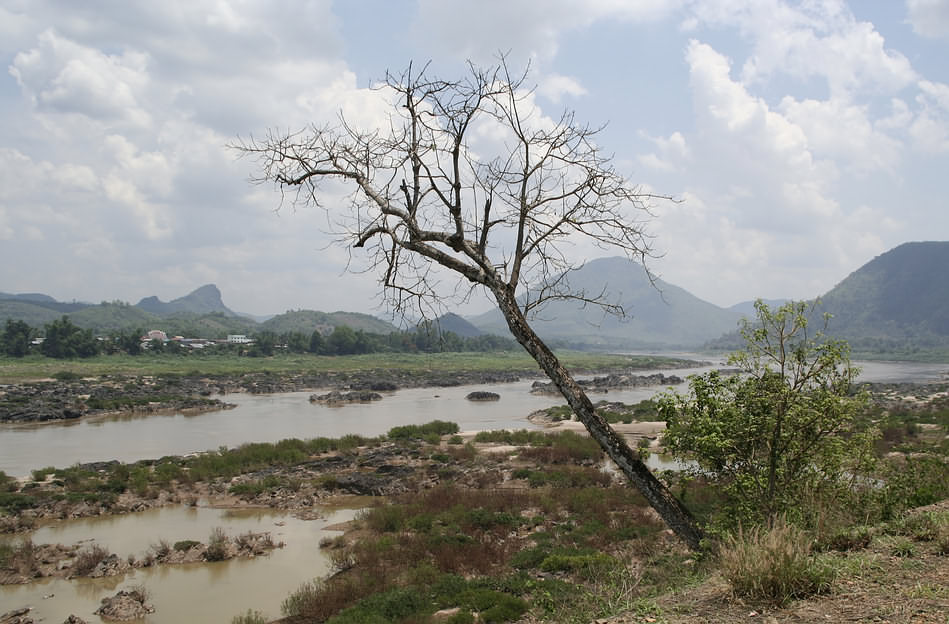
{"points": [[435, 428], [185, 545]]}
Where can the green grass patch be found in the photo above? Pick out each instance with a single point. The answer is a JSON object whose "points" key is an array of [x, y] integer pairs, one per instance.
{"points": [[195, 364]]}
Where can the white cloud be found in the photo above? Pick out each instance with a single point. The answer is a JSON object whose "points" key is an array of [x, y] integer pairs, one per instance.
{"points": [[930, 127], [818, 38], [554, 87], [930, 18], [670, 155], [62, 76], [843, 131]]}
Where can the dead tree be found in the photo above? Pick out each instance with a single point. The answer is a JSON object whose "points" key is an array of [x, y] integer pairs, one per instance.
{"points": [[426, 204]]}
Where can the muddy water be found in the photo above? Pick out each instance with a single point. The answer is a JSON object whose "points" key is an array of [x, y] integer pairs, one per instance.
{"points": [[268, 418], [201, 592]]}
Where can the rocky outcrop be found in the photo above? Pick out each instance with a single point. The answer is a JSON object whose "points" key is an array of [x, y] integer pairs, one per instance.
{"points": [[481, 395], [612, 382], [67, 400], [125, 605], [341, 398], [17, 616]]}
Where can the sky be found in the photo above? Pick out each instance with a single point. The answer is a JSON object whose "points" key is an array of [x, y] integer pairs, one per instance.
{"points": [[802, 138]]}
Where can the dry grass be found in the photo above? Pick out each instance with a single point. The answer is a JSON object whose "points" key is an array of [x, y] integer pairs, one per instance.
{"points": [[773, 565]]}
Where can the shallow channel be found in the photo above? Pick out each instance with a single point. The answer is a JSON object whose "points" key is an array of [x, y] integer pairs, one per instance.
{"points": [[197, 592]]}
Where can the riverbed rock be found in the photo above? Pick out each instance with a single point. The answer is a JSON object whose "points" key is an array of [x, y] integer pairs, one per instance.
{"points": [[125, 605], [340, 398], [612, 382], [17, 616], [110, 566], [482, 395], [74, 619]]}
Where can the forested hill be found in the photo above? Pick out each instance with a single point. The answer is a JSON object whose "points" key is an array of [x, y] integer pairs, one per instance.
{"points": [[659, 315], [306, 321], [898, 302], [199, 314]]}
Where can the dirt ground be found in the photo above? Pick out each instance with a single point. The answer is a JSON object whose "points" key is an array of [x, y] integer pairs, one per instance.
{"points": [[875, 585]]}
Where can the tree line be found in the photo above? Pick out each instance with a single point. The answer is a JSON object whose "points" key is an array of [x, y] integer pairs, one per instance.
{"points": [[64, 340]]}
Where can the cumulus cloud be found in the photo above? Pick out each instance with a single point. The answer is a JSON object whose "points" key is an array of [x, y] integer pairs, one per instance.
{"points": [[671, 153], [811, 39], [63, 76], [930, 18]]}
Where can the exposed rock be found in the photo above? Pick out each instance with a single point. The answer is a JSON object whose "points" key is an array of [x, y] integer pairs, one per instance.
{"points": [[110, 566], [125, 605], [17, 616], [74, 619], [339, 398], [610, 382], [481, 395]]}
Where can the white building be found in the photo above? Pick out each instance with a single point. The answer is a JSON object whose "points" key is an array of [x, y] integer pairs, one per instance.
{"points": [[238, 339]]}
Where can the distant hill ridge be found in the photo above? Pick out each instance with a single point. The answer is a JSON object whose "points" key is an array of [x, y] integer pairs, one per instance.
{"points": [[204, 300], [659, 315]]}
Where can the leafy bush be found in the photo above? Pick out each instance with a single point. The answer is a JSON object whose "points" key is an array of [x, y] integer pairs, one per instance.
{"points": [[773, 565], [419, 432], [185, 545]]}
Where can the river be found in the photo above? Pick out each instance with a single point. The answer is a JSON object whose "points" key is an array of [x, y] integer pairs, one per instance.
{"points": [[269, 418], [218, 591], [196, 592]]}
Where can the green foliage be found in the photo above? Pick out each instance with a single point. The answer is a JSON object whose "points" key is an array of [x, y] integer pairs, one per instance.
{"points": [[65, 340], [419, 432], [15, 339], [185, 545], [782, 431], [7, 482]]}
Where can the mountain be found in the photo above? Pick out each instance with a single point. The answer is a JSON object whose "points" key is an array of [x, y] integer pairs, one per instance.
{"points": [[306, 321], [30, 313], [32, 297], [747, 308], [457, 325], [660, 316], [204, 300], [896, 301], [44, 301]]}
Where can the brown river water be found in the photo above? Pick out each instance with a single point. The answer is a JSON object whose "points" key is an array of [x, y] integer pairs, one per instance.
{"points": [[215, 592]]}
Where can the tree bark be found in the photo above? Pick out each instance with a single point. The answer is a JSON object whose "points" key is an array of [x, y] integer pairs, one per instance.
{"points": [[672, 511]]}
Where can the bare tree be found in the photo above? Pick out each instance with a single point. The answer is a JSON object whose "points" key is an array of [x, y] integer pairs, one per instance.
{"points": [[424, 199]]}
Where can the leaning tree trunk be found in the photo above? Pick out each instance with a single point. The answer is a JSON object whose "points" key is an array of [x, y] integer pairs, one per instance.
{"points": [[672, 511]]}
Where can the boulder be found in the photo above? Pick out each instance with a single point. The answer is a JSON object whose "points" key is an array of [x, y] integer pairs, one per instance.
{"points": [[481, 395], [125, 605]]}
